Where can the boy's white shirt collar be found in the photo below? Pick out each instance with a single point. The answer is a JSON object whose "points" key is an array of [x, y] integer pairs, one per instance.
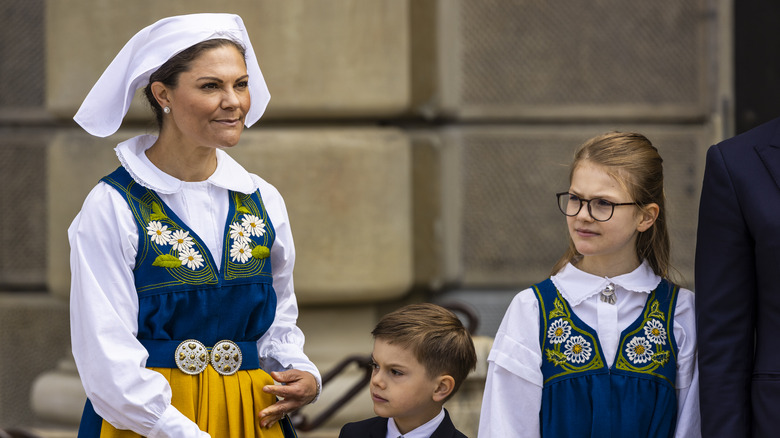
{"points": [[424, 431], [131, 153], [576, 286]]}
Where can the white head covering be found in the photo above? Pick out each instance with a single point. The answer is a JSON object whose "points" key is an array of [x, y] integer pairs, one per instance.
{"points": [[105, 106]]}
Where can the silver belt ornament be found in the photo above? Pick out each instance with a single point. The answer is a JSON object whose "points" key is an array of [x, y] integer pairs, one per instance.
{"points": [[608, 294], [192, 357]]}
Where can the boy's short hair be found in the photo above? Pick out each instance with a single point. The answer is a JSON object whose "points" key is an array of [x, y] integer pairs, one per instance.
{"points": [[435, 336]]}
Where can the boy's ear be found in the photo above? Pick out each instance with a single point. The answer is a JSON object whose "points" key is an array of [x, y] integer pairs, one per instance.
{"points": [[445, 385]]}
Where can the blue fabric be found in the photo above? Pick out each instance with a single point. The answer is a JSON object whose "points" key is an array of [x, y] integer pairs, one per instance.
{"points": [[236, 302], [581, 397]]}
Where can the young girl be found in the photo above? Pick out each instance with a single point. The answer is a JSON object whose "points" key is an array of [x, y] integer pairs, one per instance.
{"points": [[606, 346]]}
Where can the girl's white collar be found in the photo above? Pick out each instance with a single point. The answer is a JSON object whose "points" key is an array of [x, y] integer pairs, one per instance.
{"points": [[576, 286]]}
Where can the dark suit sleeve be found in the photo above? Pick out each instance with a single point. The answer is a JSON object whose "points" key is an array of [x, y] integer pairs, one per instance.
{"points": [[725, 302]]}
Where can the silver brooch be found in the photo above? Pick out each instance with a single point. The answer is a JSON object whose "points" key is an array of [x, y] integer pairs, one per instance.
{"points": [[608, 294]]}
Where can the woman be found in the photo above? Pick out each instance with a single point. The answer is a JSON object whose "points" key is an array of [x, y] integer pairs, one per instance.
{"points": [[182, 291]]}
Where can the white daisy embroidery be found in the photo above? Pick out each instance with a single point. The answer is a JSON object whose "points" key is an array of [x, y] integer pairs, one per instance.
{"points": [[191, 258], [577, 350], [655, 331], [559, 331], [240, 252], [239, 233], [180, 240], [160, 233], [639, 350], [253, 224]]}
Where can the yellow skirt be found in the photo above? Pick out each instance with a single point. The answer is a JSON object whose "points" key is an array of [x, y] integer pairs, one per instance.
{"points": [[223, 406]]}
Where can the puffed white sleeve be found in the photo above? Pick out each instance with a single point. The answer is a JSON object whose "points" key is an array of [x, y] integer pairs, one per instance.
{"points": [[688, 417], [281, 347], [513, 389], [104, 322]]}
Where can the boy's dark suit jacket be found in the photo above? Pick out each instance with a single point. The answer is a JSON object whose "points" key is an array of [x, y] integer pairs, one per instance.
{"points": [[738, 286], [377, 428]]}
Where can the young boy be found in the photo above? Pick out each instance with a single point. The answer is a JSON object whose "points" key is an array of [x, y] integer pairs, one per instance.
{"points": [[422, 353]]}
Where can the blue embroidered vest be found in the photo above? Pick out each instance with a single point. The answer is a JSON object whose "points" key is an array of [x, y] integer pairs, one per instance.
{"points": [[581, 397], [181, 293]]}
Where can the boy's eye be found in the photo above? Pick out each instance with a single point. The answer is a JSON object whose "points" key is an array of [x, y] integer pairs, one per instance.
{"points": [[396, 373], [373, 365]]}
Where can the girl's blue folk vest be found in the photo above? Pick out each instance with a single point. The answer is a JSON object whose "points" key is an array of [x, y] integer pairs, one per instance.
{"points": [[581, 397]]}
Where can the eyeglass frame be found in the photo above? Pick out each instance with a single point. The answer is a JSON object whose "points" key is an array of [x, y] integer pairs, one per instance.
{"points": [[590, 211]]}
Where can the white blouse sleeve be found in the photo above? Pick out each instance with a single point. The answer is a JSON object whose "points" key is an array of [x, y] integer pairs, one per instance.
{"points": [[281, 347], [104, 322], [688, 418], [513, 390]]}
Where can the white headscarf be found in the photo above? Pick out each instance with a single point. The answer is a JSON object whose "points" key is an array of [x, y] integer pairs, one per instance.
{"points": [[105, 106]]}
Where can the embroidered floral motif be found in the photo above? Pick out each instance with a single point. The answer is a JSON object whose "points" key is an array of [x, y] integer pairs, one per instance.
{"points": [[655, 332], [239, 251], [639, 350], [180, 240], [559, 331], [191, 258], [239, 233], [577, 349], [253, 224], [159, 232]]}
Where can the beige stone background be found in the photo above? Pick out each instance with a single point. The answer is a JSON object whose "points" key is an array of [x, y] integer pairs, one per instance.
{"points": [[417, 143]]}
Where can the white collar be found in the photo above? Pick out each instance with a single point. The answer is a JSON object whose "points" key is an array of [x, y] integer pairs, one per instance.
{"points": [[576, 286], [131, 153], [424, 431]]}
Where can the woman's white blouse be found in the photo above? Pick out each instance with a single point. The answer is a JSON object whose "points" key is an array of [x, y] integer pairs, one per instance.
{"points": [[513, 391], [104, 304]]}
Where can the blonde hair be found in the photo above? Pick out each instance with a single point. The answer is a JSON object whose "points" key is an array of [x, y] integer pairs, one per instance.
{"points": [[633, 162]]}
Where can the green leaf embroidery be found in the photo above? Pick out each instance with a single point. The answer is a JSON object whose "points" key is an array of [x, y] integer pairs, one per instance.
{"points": [[260, 252], [166, 261], [240, 206], [660, 358], [559, 311], [654, 312], [556, 357], [157, 213]]}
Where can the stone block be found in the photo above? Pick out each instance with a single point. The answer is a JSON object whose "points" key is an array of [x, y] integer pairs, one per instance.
{"points": [[562, 61], [23, 207], [436, 212], [335, 59], [35, 336], [347, 193], [348, 196]]}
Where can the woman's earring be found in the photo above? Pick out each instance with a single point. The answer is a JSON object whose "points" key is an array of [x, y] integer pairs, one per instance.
{"points": [[167, 110]]}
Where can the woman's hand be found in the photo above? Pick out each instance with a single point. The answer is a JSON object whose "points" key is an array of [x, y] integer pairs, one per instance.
{"points": [[299, 388]]}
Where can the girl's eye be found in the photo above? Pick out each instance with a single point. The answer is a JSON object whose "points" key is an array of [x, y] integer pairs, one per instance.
{"points": [[603, 203], [208, 86], [242, 84]]}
